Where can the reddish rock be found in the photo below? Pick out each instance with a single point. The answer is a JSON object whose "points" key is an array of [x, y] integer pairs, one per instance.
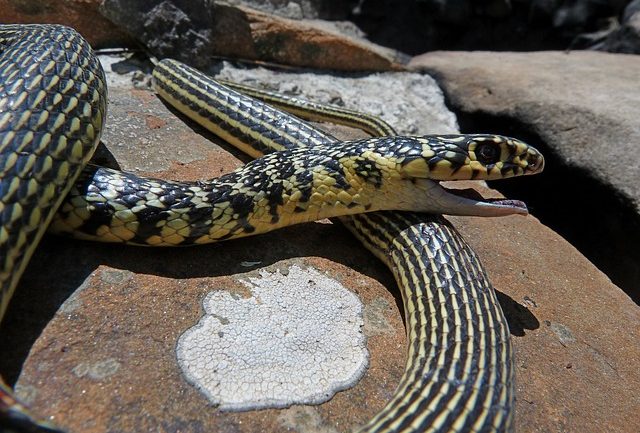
{"points": [[576, 335], [308, 43], [82, 15]]}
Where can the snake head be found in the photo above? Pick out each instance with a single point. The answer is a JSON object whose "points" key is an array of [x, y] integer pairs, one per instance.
{"points": [[471, 157]]}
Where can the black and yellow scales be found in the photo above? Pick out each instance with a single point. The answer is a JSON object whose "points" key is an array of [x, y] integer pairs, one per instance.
{"points": [[459, 374], [282, 188]]}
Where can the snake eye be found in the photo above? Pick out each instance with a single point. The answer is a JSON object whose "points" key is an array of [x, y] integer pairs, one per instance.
{"points": [[487, 153]]}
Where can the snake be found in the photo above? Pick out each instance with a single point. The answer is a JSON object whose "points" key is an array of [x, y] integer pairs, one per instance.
{"points": [[459, 370]]}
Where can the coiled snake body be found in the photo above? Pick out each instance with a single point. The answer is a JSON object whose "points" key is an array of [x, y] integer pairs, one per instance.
{"points": [[52, 106]]}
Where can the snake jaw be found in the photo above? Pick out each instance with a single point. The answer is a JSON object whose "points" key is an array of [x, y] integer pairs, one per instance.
{"points": [[469, 202]]}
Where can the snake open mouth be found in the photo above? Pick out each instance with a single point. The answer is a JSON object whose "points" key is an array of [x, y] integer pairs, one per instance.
{"points": [[468, 201]]}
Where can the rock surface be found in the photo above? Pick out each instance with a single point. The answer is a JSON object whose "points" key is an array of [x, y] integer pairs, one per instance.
{"points": [[106, 362], [583, 107]]}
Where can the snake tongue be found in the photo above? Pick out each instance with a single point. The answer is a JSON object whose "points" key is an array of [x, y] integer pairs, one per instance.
{"points": [[468, 201]]}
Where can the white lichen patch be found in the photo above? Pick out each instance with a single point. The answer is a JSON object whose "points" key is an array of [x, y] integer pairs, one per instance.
{"points": [[297, 340]]}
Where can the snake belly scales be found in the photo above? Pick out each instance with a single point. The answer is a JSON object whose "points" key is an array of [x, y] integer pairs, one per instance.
{"points": [[459, 371]]}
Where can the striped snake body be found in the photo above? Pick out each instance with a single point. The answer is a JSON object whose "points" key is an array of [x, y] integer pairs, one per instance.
{"points": [[277, 190], [52, 106]]}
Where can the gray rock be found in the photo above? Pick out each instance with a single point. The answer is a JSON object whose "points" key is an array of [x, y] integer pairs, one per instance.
{"points": [[626, 38], [582, 15], [176, 29], [632, 8]]}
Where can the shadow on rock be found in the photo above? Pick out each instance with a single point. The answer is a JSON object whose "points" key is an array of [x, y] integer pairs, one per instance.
{"points": [[519, 317]]}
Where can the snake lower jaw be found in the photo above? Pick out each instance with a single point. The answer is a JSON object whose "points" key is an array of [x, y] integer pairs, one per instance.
{"points": [[469, 202]]}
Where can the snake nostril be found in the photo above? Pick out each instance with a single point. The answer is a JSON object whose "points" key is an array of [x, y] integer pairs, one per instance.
{"points": [[535, 163]]}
